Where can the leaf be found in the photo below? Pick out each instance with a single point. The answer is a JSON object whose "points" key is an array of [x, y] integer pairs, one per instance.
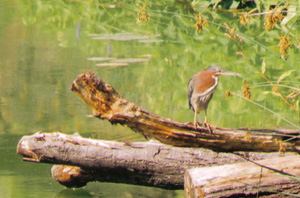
{"points": [[263, 67], [235, 4], [275, 93], [199, 6], [291, 14], [215, 3], [266, 92], [284, 75], [259, 5]]}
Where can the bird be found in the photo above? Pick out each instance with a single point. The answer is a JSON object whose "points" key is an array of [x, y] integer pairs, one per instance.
{"points": [[201, 88]]}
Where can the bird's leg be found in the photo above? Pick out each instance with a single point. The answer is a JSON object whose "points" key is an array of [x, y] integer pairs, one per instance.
{"points": [[206, 124], [195, 119], [205, 118]]}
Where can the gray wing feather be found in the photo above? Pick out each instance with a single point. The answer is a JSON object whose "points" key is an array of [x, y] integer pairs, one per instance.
{"points": [[190, 90]]}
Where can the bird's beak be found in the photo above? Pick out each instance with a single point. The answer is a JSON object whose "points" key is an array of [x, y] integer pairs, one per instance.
{"points": [[228, 73]]}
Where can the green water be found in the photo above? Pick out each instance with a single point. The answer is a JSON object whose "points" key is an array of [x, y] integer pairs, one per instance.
{"points": [[45, 45]]}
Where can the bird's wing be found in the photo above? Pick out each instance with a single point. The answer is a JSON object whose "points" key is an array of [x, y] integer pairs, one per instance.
{"points": [[190, 90]]}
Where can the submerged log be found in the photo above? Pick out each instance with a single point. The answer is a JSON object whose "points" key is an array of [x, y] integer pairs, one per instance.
{"points": [[107, 103], [245, 179], [143, 163]]}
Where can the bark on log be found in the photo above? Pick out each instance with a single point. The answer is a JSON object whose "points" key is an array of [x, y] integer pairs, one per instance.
{"points": [[245, 179], [107, 103], [144, 163]]}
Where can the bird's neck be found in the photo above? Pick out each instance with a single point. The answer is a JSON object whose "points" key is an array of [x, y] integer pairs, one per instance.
{"points": [[216, 78]]}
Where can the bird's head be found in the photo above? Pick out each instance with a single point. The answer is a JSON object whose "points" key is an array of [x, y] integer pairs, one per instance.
{"points": [[219, 71]]}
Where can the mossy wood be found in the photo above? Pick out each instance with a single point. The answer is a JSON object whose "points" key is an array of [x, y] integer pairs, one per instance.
{"points": [[107, 103]]}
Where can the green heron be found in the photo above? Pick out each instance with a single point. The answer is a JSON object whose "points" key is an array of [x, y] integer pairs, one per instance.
{"points": [[201, 88]]}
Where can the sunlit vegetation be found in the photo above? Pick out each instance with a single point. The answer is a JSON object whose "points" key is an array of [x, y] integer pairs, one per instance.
{"points": [[259, 40]]}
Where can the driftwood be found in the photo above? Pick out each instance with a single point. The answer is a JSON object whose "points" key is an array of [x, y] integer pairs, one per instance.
{"points": [[153, 164], [245, 179], [144, 163], [107, 103]]}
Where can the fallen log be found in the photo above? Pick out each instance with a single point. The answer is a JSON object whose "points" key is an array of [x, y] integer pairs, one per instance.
{"points": [[107, 103], [245, 179], [151, 164], [142, 163]]}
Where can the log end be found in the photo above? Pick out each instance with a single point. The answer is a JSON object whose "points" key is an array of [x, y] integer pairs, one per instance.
{"points": [[70, 176], [24, 149]]}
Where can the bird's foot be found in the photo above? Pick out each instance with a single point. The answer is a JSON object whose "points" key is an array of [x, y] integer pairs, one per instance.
{"points": [[205, 124], [208, 126], [190, 124], [197, 124]]}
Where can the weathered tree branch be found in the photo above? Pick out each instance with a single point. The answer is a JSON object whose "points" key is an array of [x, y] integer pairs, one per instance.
{"points": [[107, 103]]}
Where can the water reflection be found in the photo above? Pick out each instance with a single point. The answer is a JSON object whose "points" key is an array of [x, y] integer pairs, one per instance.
{"points": [[70, 193]]}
